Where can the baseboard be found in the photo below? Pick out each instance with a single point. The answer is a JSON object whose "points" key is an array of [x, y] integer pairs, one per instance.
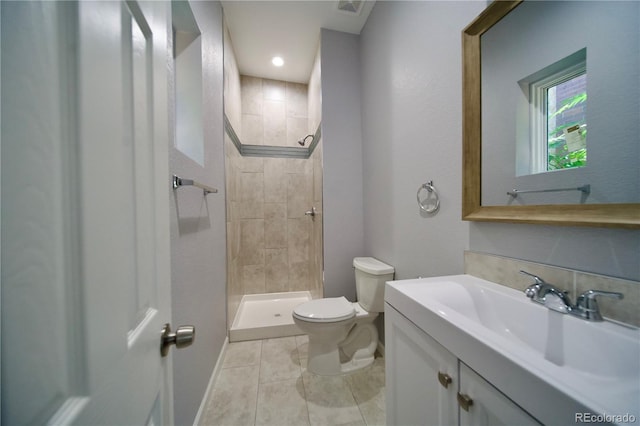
{"points": [[212, 382], [381, 348]]}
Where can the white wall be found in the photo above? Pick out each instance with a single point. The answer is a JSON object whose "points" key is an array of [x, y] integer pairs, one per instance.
{"points": [[412, 133], [342, 161], [198, 248]]}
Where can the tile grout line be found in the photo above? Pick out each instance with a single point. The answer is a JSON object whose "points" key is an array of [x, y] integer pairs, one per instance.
{"points": [[255, 411], [304, 387], [353, 395]]}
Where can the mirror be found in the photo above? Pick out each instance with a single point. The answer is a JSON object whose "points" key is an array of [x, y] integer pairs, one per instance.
{"points": [[479, 203]]}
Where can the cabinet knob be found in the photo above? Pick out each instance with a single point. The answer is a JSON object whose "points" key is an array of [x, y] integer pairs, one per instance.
{"points": [[464, 401], [444, 379]]}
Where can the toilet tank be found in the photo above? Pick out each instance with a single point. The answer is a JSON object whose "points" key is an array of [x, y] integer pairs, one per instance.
{"points": [[371, 275]]}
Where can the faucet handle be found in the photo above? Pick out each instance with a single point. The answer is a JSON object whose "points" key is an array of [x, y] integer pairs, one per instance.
{"points": [[587, 305], [536, 279], [532, 291]]}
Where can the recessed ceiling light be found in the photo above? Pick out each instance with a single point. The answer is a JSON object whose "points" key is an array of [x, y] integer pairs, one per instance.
{"points": [[277, 61]]}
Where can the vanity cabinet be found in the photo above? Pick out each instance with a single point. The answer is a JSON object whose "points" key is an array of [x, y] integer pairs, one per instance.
{"points": [[414, 364], [427, 385]]}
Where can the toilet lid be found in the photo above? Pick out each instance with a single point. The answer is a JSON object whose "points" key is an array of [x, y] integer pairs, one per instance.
{"points": [[329, 309]]}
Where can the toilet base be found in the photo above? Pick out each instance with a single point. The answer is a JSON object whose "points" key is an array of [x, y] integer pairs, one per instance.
{"points": [[356, 364], [325, 357]]}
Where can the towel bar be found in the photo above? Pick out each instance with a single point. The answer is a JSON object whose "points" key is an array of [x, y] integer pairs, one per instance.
{"points": [[178, 182]]}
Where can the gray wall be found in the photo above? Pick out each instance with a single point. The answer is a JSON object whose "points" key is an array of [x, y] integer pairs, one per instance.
{"points": [[198, 229], [411, 103], [342, 161], [613, 252], [412, 133]]}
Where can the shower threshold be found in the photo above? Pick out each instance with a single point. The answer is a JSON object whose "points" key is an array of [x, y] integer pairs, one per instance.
{"points": [[266, 316]]}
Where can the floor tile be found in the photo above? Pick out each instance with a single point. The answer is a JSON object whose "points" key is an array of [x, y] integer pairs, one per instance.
{"points": [[368, 388], [265, 383], [303, 346], [234, 398], [242, 354], [356, 423], [282, 403], [279, 360], [329, 400]]}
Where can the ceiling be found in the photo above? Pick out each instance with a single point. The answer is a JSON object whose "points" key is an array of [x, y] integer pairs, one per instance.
{"points": [[263, 29]]}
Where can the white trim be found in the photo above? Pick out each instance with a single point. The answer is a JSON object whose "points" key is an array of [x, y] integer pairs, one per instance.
{"points": [[212, 382]]}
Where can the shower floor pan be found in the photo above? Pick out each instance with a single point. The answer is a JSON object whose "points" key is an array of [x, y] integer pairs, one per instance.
{"points": [[265, 316]]}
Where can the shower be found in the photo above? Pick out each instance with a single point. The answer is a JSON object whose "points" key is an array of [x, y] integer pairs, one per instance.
{"points": [[304, 140], [274, 242]]}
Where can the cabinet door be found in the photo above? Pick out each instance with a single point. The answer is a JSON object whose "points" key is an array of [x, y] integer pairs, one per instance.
{"points": [[488, 405], [415, 394]]}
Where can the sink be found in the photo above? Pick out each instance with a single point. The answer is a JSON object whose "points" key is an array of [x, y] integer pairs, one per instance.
{"points": [[591, 366], [600, 349]]}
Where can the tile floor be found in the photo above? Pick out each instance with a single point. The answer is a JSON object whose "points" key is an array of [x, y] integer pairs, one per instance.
{"points": [[265, 382]]}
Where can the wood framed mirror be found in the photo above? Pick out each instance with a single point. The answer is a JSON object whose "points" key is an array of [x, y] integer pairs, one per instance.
{"points": [[618, 215]]}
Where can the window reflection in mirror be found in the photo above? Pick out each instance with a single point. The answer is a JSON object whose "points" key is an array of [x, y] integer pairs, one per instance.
{"points": [[557, 119], [566, 121]]}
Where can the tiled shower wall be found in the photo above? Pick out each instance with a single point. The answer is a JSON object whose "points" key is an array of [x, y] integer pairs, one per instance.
{"points": [[273, 112], [233, 111], [270, 236], [314, 110], [271, 243]]}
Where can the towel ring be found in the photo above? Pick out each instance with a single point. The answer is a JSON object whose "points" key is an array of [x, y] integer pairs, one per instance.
{"points": [[424, 206]]}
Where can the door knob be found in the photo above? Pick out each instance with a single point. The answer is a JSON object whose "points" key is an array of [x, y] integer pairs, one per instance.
{"points": [[311, 212], [182, 337]]}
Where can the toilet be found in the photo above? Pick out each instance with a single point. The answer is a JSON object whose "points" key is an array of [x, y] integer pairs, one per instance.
{"points": [[342, 336]]}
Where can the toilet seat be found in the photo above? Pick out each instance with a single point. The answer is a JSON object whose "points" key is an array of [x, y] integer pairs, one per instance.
{"points": [[330, 309]]}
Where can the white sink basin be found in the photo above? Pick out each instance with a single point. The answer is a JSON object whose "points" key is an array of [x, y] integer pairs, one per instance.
{"points": [[521, 345]]}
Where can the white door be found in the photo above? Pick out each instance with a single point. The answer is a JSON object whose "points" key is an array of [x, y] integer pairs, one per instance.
{"points": [[85, 198]]}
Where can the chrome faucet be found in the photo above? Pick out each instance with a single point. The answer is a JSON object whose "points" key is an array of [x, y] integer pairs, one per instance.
{"points": [[586, 306], [547, 295]]}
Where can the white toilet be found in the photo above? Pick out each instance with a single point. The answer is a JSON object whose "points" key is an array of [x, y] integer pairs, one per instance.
{"points": [[342, 336]]}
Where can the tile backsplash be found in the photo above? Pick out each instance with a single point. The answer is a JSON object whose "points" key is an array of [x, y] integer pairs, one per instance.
{"points": [[505, 271]]}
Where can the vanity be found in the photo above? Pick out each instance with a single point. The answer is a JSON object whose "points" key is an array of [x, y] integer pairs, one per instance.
{"points": [[463, 350]]}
